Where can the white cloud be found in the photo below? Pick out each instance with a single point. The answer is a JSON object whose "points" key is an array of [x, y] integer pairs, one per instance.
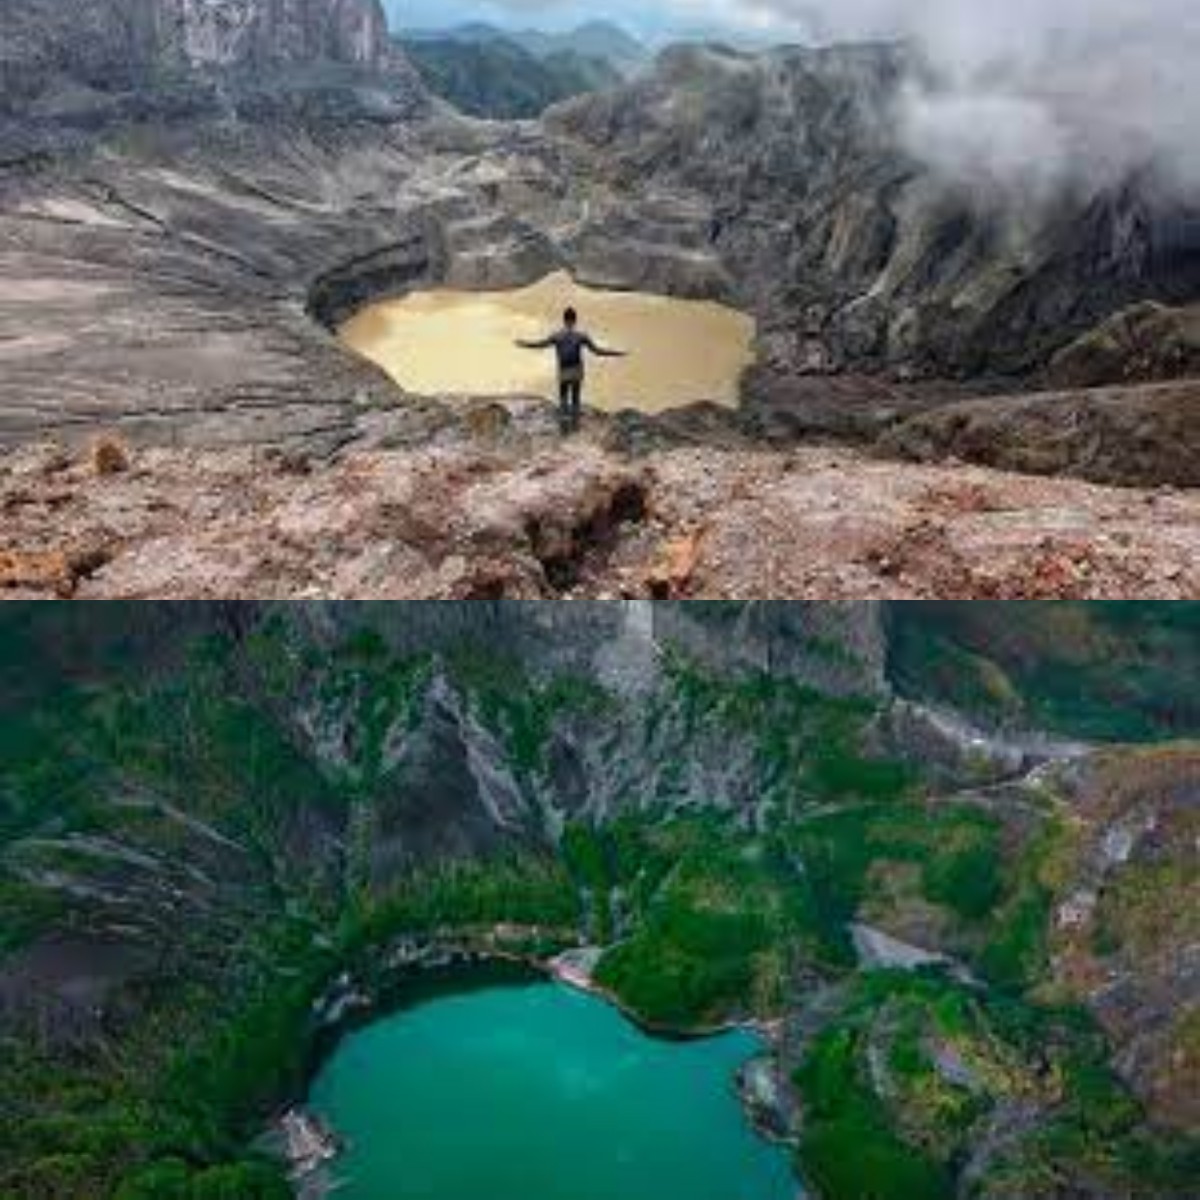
{"points": [[1029, 93], [1023, 93]]}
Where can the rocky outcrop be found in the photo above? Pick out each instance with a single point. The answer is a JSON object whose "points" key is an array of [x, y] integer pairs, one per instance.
{"points": [[879, 951], [1119, 946], [1148, 341], [484, 520], [1120, 435], [524, 518], [444, 781], [850, 251], [122, 44], [71, 71], [254, 33]]}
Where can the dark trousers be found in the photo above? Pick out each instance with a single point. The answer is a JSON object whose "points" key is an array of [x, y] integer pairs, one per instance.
{"points": [[570, 402]]}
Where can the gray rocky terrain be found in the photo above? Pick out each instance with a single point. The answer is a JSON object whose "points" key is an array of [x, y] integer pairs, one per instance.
{"points": [[193, 195]]}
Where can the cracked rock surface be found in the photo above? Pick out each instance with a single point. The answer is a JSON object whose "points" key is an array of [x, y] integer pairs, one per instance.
{"points": [[523, 515]]}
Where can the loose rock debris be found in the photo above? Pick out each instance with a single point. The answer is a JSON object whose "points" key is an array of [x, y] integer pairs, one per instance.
{"points": [[572, 519]]}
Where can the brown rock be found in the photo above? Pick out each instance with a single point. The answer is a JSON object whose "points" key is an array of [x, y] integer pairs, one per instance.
{"points": [[672, 575], [37, 571], [109, 455], [1131, 436]]}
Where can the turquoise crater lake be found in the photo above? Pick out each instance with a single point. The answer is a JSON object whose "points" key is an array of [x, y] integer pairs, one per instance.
{"points": [[537, 1092]]}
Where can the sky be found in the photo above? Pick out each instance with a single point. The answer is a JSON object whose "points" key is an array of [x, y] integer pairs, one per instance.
{"points": [[1024, 94]]}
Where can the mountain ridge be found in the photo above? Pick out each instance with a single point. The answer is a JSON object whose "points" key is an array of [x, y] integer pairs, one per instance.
{"points": [[592, 39], [497, 78]]}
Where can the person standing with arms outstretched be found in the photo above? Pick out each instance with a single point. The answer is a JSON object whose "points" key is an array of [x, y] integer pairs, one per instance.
{"points": [[569, 343]]}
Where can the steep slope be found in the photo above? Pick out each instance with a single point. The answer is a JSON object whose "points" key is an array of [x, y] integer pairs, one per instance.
{"points": [[856, 252], [221, 823], [69, 70], [141, 43], [1120, 671]]}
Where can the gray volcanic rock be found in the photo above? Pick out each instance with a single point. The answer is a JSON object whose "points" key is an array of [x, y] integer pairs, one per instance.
{"points": [[1121, 435], [181, 312], [174, 181], [849, 250], [70, 69], [185, 185], [253, 32], [1148, 341], [44, 43], [122, 43]]}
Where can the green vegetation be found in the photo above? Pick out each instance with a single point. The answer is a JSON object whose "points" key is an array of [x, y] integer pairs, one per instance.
{"points": [[724, 916], [378, 691], [896, 856], [168, 1110], [520, 709], [898, 1085], [173, 1179], [717, 917], [1015, 955], [811, 747], [221, 816], [531, 892], [498, 79], [849, 1148], [174, 768], [966, 880], [1111, 671]]}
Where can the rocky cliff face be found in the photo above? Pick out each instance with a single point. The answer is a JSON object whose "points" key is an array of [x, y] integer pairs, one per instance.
{"points": [[1120, 946], [144, 44], [838, 648], [465, 730], [860, 254], [240, 33]]}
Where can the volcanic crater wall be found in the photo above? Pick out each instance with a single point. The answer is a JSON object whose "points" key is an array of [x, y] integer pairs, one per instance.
{"points": [[121, 43]]}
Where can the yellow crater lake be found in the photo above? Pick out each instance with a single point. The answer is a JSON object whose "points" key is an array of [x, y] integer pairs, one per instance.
{"points": [[445, 342]]}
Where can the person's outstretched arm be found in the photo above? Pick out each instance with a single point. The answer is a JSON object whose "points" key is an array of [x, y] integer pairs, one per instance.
{"points": [[543, 344], [604, 352]]}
